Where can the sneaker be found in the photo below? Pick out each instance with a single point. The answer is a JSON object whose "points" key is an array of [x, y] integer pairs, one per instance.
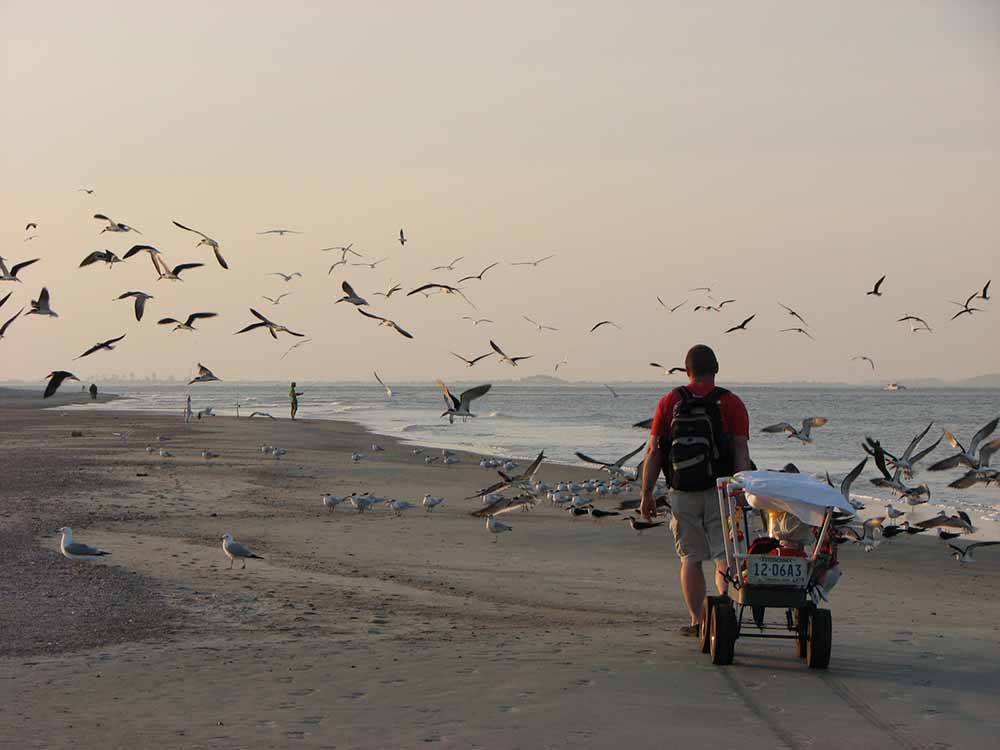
{"points": [[690, 631]]}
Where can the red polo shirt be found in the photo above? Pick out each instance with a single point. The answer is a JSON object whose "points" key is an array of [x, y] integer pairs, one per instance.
{"points": [[735, 419]]}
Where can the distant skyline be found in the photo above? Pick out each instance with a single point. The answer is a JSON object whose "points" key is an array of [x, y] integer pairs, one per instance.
{"points": [[776, 151]]}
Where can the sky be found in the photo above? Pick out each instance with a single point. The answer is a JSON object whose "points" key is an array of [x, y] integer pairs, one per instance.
{"points": [[774, 151]]}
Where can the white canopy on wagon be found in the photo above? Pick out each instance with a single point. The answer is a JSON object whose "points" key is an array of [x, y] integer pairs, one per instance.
{"points": [[804, 497]]}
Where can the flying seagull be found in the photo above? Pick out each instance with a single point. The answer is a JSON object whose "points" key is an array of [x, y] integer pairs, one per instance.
{"points": [[512, 361], [88, 191], [286, 276], [913, 320], [876, 290], [615, 467], [393, 288], [100, 256], [534, 263], [714, 308], [450, 266], [204, 375], [56, 379], [472, 362], [538, 325], [794, 314], [272, 328], [388, 323], [351, 296], [205, 240], [388, 390], [172, 274], [803, 433], [604, 323], [671, 309], [742, 326], [478, 275], [41, 305], [508, 479], [342, 249], [893, 481], [292, 348], [445, 288], [611, 390], [964, 554], [277, 299], [109, 345], [966, 307], [869, 360], [280, 232], [140, 302], [236, 551], [402, 237], [459, 407], [667, 370], [476, 321], [188, 324], [371, 264], [75, 550], [5, 326], [115, 226], [908, 460], [968, 457], [11, 275], [803, 331]]}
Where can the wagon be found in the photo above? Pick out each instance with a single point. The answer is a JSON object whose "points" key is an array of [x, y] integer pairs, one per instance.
{"points": [[764, 584]]}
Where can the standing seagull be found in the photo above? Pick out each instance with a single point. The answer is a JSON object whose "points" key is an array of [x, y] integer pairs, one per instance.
{"points": [[205, 240], [75, 550], [234, 550], [115, 226], [459, 407], [512, 361], [876, 290], [388, 390], [204, 375], [41, 306], [496, 527], [742, 326], [187, 325], [109, 345], [11, 275], [402, 237], [140, 302], [351, 296], [56, 379]]}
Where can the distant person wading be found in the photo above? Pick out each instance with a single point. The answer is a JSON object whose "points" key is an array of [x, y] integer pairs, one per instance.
{"points": [[293, 396], [699, 433]]}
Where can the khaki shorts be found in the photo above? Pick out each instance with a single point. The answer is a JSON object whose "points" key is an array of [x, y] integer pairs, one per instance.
{"points": [[697, 525]]}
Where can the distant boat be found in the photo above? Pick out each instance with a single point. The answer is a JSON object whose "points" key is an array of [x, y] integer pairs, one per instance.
{"points": [[895, 387]]}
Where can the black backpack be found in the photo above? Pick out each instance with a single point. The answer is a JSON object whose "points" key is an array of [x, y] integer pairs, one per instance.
{"points": [[697, 451]]}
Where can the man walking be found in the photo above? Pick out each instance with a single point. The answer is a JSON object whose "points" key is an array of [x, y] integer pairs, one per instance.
{"points": [[293, 395], [699, 433]]}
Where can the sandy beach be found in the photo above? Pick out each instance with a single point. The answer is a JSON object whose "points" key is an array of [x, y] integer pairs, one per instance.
{"points": [[372, 631]]}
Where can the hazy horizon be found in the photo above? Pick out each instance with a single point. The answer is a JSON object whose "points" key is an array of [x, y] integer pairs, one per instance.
{"points": [[775, 152]]}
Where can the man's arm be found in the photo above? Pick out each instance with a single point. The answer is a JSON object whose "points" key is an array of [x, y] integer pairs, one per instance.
{"points": [[741, 454], [650, 473]]}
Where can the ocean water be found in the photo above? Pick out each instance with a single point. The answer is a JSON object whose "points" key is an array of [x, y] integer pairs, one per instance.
{"points": [[517, 420]]}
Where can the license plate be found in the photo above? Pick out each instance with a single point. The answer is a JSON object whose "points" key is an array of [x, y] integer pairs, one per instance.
{"points": [[764, 570]]}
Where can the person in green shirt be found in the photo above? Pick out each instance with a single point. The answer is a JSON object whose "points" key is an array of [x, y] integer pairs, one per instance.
{"points": [[293, 395]]}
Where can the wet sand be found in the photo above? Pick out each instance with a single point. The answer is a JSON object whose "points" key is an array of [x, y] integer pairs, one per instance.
{"points": [[371, 631]]}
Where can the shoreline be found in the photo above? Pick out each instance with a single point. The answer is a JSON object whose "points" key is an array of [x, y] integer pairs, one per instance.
{"points": [[352, 618]]}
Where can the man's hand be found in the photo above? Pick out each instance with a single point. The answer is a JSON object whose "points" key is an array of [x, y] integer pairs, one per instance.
{"points": [[647, 508]]}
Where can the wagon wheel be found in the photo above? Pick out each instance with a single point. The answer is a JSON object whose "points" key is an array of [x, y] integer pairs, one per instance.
{"points": [[723, 633], [820, 640], [802, 628], [705, 630]]}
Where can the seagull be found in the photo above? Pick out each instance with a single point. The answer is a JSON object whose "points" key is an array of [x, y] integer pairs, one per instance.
{"points": [[496, 527], [667, 370], [388, 390], [614, 468], [430, 502], [478, 275], [604, 323], [387, 323], [109, 345], [331, 501], [187, 325], [893, 513], [450, 266], [976, 476], [913, 320], [512, 361], [75, 550], [944, 536], [641, 526], [611, 390], [295, 346], [11, 275], [205, 240], [445, 288], [115, 226], [370, 265], [393, 288], [402, 237], [862, 357], [908, 460], [140, 302], [279, 232], [534, 263], [968, 457], [56, 379], [204, 375], [966, 309], [472, 362], [286, 276], [342, 249], [41, 305], [153, 255], [671, 309], [964, 554], [277, 299], [6, 297], [236, 550], [877, 289], [5, 326], [801, 434], [803, 331], [742, 326], [476, 321], [88, 191], [459, 407], [845, 485], [508, 479], [893, 481], [272, 328], [560, 363], [794, 314], [714, 308], [867, 538], [351, 296], [105, 256], [538, 325], [173, 274]]}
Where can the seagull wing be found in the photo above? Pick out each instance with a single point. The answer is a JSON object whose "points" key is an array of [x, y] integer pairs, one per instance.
{"points": [[529, 472], [845, 485], [348, 289], [589, 460], [987, 451], [219, 258], [915, 442], [946, 463], [779, 427], [621, 461], [497, 349], [199, 316], [984, 433], [880, 459], [372, 315], [55, 380], [5, 326], [401, 331], [189, 229], [250, 327], [184, 267], [425, 287], [24, 264], [259, 316], [449, 399], [921, 454], [467, 397], [878, 284]]}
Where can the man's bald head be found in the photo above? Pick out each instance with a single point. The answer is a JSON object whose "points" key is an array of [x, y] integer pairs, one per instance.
{"points": [[701, 362]]}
